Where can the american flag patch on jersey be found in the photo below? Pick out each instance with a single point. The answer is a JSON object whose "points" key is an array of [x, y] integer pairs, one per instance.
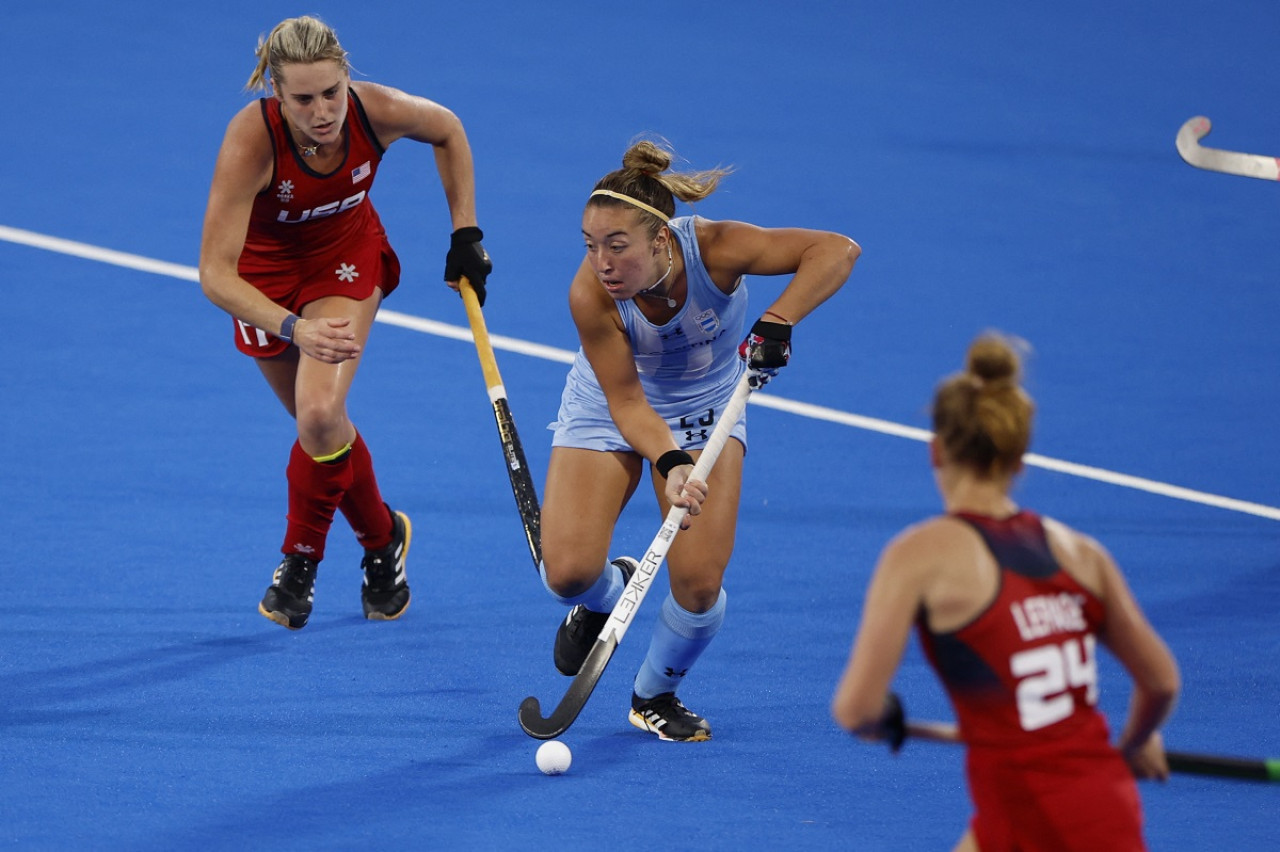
{"points": [[361, 172]]}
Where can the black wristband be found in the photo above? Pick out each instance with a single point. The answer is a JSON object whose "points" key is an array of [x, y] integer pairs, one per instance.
{"points": [[671, 459], [771, 330], [463, 236]]}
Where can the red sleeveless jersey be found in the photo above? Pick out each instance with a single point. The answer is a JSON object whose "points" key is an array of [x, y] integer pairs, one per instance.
{"points": [[1023, 673], [315, 235], [1024, 682], [304, 213]]}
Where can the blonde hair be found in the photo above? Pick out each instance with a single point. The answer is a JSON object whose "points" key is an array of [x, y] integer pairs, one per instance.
{"points": [[982, 416], [299, 41], [646, 177]]}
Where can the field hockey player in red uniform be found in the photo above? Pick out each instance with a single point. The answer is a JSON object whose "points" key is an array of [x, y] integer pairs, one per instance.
{"points": [[294, 250], [1011, 608]]}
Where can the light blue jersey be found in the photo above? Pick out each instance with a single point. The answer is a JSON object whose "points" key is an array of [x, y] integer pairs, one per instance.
{"points": [[688, 367]]}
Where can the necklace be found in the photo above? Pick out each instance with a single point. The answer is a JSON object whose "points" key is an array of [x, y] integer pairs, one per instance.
{"points": [[648, 291], [305, 150]]}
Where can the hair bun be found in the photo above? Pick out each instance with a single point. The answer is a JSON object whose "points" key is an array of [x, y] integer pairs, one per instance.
{"points": [[647, 158], [992, 359]]}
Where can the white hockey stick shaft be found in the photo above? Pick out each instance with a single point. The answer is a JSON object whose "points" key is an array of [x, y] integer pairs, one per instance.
{"points": [[623, 611], [1218, 160]]}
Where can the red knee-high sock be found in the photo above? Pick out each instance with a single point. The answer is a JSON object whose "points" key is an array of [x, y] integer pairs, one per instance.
{"points": [[315, 488], [362, 503]]}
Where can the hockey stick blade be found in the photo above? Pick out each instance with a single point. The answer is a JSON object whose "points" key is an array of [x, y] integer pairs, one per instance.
{"points": [[575, 698], [518, 472], [1218, 160], [1184, 763]]}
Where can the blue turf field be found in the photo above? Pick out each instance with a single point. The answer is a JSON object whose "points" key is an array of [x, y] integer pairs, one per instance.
{"points": [[1004, 165]]}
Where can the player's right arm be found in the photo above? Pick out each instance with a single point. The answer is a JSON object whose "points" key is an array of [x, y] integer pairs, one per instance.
{"points": [[1134, 642], [605, 343], [1156, 680], [243, 169]]}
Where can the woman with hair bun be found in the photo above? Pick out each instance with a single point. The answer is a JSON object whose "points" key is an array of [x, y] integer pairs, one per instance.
{"points": [[660, 307], [1010, 607]]}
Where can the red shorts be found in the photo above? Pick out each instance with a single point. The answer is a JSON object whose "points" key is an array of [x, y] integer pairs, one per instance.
{"points": [[1060, 801], [352, 271]]}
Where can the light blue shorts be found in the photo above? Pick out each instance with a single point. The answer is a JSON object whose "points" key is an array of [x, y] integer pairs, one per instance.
{"points": [[585, 425]]}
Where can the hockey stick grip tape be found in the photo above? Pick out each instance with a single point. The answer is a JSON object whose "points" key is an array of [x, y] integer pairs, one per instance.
{"points": [[479, 331]]}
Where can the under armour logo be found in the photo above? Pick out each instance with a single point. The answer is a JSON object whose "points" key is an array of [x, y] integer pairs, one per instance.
{"points": [[690, 435], [670, 672]]}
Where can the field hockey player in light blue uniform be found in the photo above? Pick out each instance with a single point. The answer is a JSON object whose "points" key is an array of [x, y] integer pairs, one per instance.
{"points": [[661, 309]]}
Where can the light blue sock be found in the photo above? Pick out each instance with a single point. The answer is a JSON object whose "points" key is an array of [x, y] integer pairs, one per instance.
{"points": [[602, 595], [679, 638]]}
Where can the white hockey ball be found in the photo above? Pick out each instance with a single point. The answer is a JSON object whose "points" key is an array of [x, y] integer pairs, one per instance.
{"points": [[554, 757]]}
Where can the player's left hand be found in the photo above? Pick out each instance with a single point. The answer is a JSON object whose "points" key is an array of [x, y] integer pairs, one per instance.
{"points": [[766, 349], [467, 257], [689, 493], [1148, 761]]}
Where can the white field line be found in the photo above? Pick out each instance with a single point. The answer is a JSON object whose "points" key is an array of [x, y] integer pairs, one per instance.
{"points": [[564, 356]]}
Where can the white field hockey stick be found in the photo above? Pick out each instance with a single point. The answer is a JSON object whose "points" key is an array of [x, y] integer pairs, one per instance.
{"points": [[1217, 160], [517, 468], [584, 683], [1186, 763]]}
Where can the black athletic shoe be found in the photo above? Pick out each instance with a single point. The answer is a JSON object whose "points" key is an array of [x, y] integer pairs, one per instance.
{"points": [[293, 588], [386, 589], [581, 627], [665, 716]]}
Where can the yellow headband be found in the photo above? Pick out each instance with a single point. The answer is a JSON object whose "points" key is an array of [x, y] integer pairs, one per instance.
{"points": [[633, 202]]}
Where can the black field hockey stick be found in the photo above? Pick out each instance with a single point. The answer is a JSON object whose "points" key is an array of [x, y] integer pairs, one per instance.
{"points": [[584, 683], [1216, 160], [1185, 763], [517, 468]]}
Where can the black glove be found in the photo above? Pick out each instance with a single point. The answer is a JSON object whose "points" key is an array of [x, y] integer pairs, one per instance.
{"points": [[467, 257], [893, 722], [766, 349]]}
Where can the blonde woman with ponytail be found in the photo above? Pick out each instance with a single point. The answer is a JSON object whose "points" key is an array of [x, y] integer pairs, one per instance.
{"points": [[294, 251], [1010, 608]]}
